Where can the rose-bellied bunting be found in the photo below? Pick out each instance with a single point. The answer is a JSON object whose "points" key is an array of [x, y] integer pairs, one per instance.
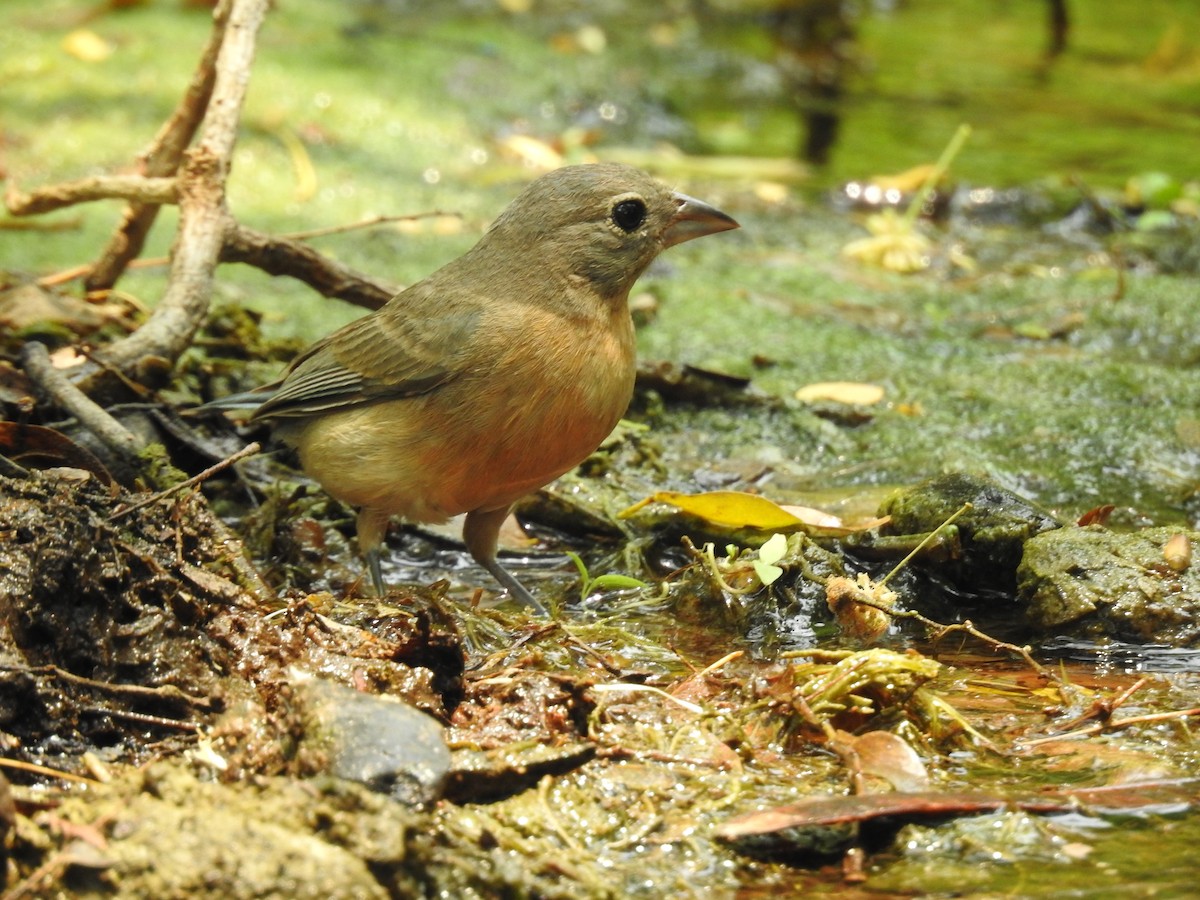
{"points": [[493, 376]]}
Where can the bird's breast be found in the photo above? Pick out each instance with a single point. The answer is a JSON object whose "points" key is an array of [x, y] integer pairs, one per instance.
{"points": [[548, 401]]}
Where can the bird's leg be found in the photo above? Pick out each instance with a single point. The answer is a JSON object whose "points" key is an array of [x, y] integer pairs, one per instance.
{"points": [[372, 526], [375, 568], [481, 532]]}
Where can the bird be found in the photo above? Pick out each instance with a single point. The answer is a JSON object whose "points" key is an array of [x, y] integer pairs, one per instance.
{"points": [[491, 377]]}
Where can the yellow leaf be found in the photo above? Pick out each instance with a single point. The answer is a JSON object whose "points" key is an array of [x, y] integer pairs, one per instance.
{"points": [[86, 45], [531, 151], [772, 192], [727, 509], [591, 39], [734, 510], [854, 393], [907, 181]]}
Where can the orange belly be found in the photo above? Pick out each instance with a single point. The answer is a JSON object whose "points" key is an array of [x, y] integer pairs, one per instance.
{"points": [[479, 442]]}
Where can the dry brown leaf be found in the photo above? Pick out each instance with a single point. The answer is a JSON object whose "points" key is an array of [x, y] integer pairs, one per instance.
{"points": [[890, 757]]}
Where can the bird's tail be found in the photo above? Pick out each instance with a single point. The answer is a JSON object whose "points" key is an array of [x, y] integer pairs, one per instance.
{"points": [[247, 400]]}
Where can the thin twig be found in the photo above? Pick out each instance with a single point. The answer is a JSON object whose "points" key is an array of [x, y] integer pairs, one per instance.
{"points": [[939, 630], [10, 469], [72, 224], [143, 718], [1112, 725], [7, 763], [283, 256], [54, 866], [248, 577], [1024, 652], [929, 538], [238, 248], [618, 751], [372, 222], [247, 451], [626, 687], [166, 692], [713, 668], [1103, 709]]}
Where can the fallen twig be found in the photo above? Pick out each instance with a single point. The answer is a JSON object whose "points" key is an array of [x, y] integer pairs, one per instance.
{"points": [[1111, 725], [167, 692], [35, 359], [247, 451], [7, 763], [1102, 708], [939, 630], [285, 255], [370, 222]]}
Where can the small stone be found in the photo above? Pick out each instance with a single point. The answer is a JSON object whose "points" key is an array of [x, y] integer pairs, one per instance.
{"points": [[391, 747]]}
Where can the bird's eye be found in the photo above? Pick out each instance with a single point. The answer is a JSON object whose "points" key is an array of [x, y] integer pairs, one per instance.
{"points": [[628, 215]]}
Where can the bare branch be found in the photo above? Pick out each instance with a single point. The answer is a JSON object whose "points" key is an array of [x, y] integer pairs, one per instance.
{"points": [[283, 256], [162, 159], [203, 217], [287, 255], [155, 191]]}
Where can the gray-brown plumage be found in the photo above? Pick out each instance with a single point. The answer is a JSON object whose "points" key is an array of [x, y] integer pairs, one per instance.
{"points": [[496, 374]]}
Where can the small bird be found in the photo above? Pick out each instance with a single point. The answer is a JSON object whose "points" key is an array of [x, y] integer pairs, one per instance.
{"points": [[498, 373]]}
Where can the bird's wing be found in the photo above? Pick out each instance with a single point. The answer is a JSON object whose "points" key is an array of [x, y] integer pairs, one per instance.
{"points": [[384, 356]]}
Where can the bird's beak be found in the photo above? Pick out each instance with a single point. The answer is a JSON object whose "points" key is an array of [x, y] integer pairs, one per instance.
{"points": [[695, 218]]}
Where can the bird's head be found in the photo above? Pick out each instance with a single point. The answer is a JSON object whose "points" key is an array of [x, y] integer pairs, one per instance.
{"points": [[604, 223]]}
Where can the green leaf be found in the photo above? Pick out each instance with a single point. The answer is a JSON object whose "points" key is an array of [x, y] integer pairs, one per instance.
{"points": [[773, 549], [766, 572], [616, 583]]}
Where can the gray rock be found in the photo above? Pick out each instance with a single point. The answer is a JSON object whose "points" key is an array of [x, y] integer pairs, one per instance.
{"points": [[1094, 582], [391, 747]]}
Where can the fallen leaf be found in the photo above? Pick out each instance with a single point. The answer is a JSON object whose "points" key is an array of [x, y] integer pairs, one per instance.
{"points": [[39, 447], [1178, 552], [809, 515], [853, 393], [907, 181], [1097, 515], [86, 45], [890, 757], [772, 192], [823, 825], [894, 244], [726, 509], [534, 153], [733, 510]]}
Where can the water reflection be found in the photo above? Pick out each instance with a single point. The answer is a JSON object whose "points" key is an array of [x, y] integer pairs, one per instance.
{"points": [[1120, 657]]}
